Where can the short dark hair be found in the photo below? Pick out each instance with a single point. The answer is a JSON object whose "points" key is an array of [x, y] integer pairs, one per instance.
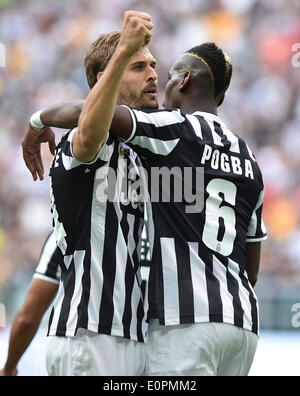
{"points": [[99, 55], [218, 64]]}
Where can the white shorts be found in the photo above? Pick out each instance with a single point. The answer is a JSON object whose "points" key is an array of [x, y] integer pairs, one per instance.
{"points": [[200, 349], [93, 354]]}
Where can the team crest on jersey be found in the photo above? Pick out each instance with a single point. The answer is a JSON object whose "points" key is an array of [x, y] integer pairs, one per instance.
{"points": [[124, 149]]}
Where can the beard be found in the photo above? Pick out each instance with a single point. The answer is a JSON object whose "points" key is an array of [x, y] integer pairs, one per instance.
{"points": [[135, 101], [148, 106]]}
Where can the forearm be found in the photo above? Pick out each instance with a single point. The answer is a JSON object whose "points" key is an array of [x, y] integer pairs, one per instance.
{"points": [[63, 115], [99, 108], [252, 261], [22, 333]]}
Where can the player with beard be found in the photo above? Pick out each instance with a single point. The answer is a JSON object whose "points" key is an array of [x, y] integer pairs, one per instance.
{"points": [[97, 323]]}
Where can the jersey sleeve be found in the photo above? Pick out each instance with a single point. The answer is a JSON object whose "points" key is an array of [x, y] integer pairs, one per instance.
{"points": [[257, 231], [48, 267], [156, 132], [103, 154]]}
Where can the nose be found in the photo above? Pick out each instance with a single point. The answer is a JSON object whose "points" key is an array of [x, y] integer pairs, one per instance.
{"points": [[152, 76]]}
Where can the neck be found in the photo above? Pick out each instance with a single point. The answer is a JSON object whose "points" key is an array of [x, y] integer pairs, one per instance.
{"points": [[190, 106]]}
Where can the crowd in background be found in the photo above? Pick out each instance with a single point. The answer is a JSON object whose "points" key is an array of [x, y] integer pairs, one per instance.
{"points": [[45, 46]]}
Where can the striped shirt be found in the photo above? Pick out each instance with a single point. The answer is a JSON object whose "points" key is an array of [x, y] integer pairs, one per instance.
{"points": [[198, 264], [100, 241], [48, 267]]}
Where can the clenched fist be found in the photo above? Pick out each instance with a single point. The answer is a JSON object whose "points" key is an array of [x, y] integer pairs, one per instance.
{"points": [[136, 32]]}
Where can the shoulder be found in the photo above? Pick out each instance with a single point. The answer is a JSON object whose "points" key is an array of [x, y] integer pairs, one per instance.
{"points": [[66, 160], [160, 117]]}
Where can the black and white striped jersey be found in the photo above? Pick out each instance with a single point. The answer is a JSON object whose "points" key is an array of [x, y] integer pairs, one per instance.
{"points": [[98, 231], [48, 267], [198, 264]]}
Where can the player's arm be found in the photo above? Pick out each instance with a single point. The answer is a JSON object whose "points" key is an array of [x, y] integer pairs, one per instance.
{"points": [[256, 234], [27, 321], [252, 261], [64, 115], [99, 109]]}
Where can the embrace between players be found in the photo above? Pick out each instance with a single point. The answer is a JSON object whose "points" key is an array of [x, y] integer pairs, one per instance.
{"points": [[201, 313]]}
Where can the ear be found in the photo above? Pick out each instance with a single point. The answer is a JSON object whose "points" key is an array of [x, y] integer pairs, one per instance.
{"points": [[185, 82], [99, 75], [221, 101]]}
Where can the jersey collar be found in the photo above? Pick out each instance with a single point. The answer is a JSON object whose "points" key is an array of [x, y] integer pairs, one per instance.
{"points": [[210, 116]]}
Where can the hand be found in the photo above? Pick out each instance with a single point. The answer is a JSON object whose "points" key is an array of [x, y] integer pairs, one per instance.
{"points": [[32, 149], [136, 32], [7, 373]]}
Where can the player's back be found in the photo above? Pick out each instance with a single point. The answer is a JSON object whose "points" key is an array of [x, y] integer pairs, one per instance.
{"points": [[220, 174], [198, 265]]}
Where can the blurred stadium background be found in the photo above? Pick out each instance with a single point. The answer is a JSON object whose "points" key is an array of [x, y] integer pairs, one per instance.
{"points": [[45, 44]]}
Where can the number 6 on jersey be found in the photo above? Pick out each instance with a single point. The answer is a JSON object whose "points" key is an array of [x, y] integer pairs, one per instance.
{"points": [[214, 211]]}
